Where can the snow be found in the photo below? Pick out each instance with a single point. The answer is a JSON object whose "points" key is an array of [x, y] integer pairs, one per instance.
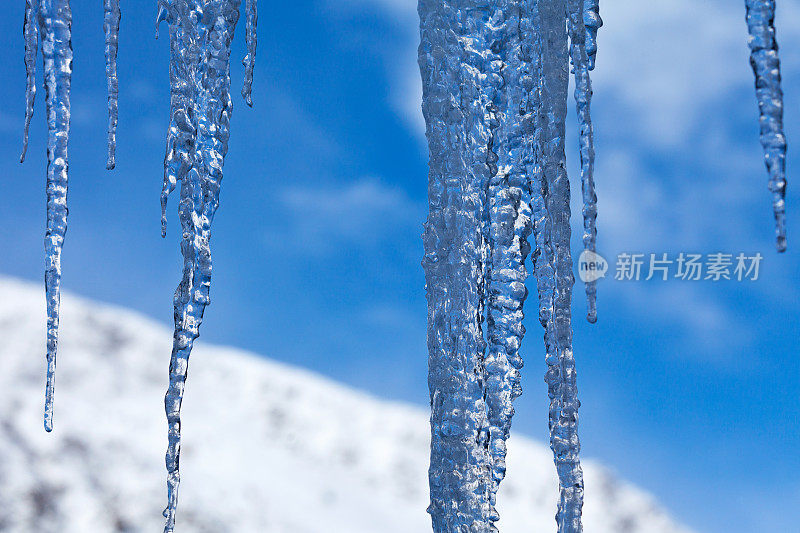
{"points": [[266, 447]]}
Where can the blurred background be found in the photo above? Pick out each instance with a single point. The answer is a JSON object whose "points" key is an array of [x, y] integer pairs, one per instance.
{"points": [[688, 388]]}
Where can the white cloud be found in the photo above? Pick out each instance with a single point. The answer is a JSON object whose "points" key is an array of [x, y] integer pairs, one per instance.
{"points": [[401, 62], [361, 213], [406, 97], [665, 59], [704, 325]]}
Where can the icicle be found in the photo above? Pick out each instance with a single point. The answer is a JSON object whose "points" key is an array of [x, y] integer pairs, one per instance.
{"points": [[181, 133], [592, 22], [249, 60], [583, 98], [449, 62], [200, 105], [30, 30], [111, 19], [55, 19], [766, 67], [553, 262], [509, 220]]}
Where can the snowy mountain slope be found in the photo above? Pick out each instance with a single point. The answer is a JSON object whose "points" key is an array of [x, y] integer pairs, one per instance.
{"points": [[267, 448]]}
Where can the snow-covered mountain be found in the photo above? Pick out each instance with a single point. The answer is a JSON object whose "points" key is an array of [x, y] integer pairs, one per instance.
{"points": [[267, 448]]}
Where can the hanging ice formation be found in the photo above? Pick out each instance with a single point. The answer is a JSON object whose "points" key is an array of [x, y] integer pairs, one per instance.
{"points": [[111, 17], [583, 25], [495, 82], [200, 34], [767, 69], [52, 19], [495, 102], [593, 22]]}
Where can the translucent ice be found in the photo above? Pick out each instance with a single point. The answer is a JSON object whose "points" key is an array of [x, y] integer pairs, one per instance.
{"points": [[579, 39], [509, 227], [767, 69], [200, 33], [494, 100], [451, 66], [52, 19], [111, 19]]}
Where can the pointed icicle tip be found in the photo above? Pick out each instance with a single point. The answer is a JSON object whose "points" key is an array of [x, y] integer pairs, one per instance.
{"points": [[780, 244], [49, 396], [30, 31], [161, 16]]}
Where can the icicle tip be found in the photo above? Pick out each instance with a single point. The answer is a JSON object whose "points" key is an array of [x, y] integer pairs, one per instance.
{"points": [[48, 412], [161, 16], [780, 244]]}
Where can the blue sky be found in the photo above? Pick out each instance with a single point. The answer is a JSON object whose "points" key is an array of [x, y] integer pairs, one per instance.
{"points": [[688, 388]]}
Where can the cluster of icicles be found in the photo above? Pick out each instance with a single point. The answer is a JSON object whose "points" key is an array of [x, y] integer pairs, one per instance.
{"points": [[200, 33], [495, 81]]}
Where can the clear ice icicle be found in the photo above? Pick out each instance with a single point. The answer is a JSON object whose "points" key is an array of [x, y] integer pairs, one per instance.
{"points": [[200, 34], [592, 22], [553, 264], [494, 100], [766, 67], [509, 227], [30, 32], [249, 61], [111, 18], [450, 65], [583, 100], [54, 20]]}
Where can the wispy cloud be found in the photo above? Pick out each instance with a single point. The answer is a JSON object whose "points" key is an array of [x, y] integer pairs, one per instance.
{"points": [[362, 213], [399, 56]]}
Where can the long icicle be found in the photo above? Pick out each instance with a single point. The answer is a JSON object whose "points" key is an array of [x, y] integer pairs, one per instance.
{"points": [[767, 69], [556, 298], [30, 32], [181, 133], [479, 103], [490, 54], [111, 18], [459, 467], [201, 32], [509, 221], [583, 99], [55, 17]]}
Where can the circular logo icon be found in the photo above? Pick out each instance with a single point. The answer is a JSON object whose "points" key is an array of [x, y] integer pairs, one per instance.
{"points": [[591, 266]]}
